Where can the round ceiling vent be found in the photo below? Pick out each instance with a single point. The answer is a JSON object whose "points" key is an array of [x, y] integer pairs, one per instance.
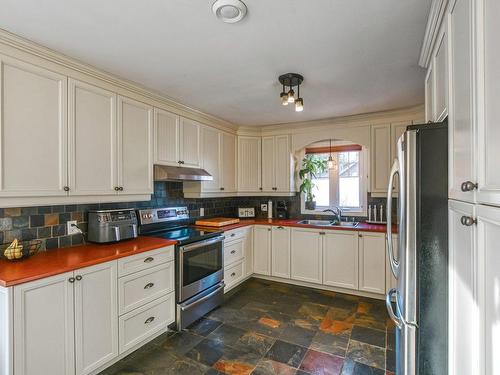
{"points": [[229, 11]]}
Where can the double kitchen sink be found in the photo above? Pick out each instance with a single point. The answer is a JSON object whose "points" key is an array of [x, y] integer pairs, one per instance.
{"points": [[329, 223]]}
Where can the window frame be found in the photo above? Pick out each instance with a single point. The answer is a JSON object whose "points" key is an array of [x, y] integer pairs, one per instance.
{"points": [[363, 191]]}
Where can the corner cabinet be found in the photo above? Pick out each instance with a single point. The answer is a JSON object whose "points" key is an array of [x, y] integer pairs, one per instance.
{"points": [[277, 165], [262, 250], [249, 164], [33, 130]]}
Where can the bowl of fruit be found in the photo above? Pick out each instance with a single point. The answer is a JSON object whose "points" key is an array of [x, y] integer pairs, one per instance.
{"points": [[17, 250]]}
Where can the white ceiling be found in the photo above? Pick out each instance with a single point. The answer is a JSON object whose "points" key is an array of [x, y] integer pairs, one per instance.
{"points": [[357, 56]]}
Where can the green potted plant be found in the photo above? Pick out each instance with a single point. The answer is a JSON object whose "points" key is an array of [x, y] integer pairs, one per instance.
{"points": [[312, 165]]}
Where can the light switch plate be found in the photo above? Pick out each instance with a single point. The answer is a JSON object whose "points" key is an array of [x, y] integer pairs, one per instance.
{"points": [[246, 211]]}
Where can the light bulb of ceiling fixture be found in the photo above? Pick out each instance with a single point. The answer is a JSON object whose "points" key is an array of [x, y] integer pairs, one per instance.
{"points": [[284, 98], [299, 105], [330, 162], [291, 96]]}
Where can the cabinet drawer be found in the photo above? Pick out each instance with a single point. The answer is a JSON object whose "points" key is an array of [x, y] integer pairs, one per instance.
{"points": [[145, 260], [139, 288], [233, 252], [138, 325], [233, 274], [235, 234]]}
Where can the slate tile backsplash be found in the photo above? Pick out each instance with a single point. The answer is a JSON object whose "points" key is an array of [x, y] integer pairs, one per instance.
{"points": [[48, 223]]}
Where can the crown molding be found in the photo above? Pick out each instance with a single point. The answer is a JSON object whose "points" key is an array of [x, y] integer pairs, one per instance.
{"points": [[436, 15], [27, 46]]}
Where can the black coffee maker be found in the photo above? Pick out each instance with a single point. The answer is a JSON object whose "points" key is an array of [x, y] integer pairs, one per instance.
{"points": [[281, 210]]}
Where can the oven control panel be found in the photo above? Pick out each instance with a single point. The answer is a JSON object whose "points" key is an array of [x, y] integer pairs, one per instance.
{"points": [[160, 215]]}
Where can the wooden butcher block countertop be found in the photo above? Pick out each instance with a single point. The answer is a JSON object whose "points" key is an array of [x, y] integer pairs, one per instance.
{"points": [[53, 262]]}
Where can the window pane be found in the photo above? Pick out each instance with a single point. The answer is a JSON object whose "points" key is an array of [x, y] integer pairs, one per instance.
{"points": [[322, 191], [349, 192], [348, 164]]}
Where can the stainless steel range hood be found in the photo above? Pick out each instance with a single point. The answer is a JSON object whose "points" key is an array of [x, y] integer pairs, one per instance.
{"points": [[167, 173]]}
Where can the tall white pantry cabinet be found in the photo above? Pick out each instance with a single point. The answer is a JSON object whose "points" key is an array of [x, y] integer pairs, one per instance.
{"points": [[469, 68]]}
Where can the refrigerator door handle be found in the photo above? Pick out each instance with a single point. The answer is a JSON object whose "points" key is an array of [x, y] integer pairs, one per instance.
{"points": [[388, 303], [394, 263]]}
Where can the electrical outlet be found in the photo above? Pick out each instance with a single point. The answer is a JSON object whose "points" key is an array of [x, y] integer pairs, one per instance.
{"points": [[263, 207], [202, 211], [70, 228]]}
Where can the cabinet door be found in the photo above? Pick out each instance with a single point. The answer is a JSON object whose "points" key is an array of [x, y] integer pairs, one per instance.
{"points": [[283, 164], [229, 157], [461, 121], [488, 84], [390, 280], [33, 130], [96, 316], [249, 164], [262, 250], [44, 327], [190, 153], [441, 74], [166, 137], [306, 255], [92, 140], [340, 259], [248, 249], [135, 146], [372, 262], [280, 249], [464, 321], [211, 157], [380, 157], [268, 165], [429, 94]]}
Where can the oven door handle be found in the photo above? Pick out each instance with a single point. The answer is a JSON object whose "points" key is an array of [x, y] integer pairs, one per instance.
{"points": [[202, 299], [197, 245]]}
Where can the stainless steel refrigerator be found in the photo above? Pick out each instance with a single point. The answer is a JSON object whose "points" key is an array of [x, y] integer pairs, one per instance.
{"points": [[419, 304]]}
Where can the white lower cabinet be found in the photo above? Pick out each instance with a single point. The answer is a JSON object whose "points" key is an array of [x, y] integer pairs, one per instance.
{"points": [[306, 255], [248, 232], [233, 275], [340, 259], [238, 256], [44, 327], [262, 250], [280, 245], [372, 250], [96, 317]]}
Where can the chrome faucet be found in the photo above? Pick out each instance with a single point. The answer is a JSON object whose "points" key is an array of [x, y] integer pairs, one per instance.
{"points": [[337, 214]]}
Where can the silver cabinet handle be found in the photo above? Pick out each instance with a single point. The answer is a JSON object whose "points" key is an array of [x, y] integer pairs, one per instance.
{"points": [[78, 277], [468, 221], [394, 263], [149, 285], [468, 186], [149, 259], [71, 280], [149, 320]]}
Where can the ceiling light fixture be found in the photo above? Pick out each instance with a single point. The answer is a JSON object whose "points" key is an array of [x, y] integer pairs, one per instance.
{"points": [[331, 162], [291, 80], [229, 11]]}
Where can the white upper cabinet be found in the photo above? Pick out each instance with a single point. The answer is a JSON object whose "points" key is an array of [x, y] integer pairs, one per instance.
{"points": [[228, 162], [33, 130], [211, 144], [135, 147], [96, 317], [306, 255], [488, 111], [189, 144], [380, 157], [277, 165], [262, 250], [461, 121], [249, 164], [92, 140], [441, 75], [167, 131], [280, 245], [44, 326], [372, 262], [429, 94], [340, 259]]}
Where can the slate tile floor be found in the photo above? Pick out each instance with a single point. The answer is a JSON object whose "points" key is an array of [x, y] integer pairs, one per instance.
{"points": [[267, 328]]}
